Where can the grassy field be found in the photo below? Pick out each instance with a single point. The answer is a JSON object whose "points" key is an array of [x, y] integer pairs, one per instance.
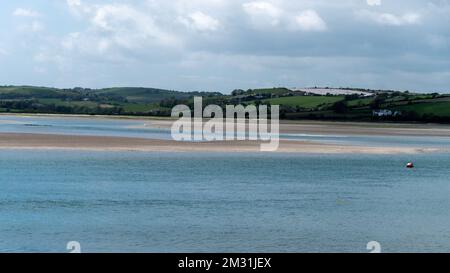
{"points": [[430, 107], [143, 95], [30, 91], [271, 91], [436, 108], [307, 102], [59, 102], [360, 102], [139, 107]]}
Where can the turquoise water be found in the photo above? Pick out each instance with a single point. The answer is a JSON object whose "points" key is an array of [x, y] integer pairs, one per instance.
{"points": [[189, 202], [170, 202], [80, 126]]}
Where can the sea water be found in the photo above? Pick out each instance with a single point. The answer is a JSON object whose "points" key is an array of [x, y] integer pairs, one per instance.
{"points": [[83, 126], [197, 202]]}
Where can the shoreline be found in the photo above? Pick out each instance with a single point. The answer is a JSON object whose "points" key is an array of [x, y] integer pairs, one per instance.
{"points": [[332, 128], [50, 141], [21, 141]]}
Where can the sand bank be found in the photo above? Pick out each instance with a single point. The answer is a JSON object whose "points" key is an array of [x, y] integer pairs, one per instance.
{"points": [[295, 127], [100, 143], [344, 128]]}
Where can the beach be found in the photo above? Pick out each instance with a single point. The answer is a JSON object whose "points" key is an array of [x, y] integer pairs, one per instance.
{"points": [[95, 143], [344, 128], [35, 132]]}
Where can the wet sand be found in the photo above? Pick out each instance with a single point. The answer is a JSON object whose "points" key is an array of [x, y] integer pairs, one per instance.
{"points": [[103, 143], [344, 128], [99, 143], [299, 127]]}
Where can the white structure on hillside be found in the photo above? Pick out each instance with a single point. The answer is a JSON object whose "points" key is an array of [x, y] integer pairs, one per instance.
{"points": [[332, 91], [386, 113]]}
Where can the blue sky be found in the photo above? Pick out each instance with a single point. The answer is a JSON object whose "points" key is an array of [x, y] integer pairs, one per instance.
{"points": [[220, 45]]}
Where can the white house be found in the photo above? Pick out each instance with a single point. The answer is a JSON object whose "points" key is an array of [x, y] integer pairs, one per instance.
{"points": [[386, 113]]}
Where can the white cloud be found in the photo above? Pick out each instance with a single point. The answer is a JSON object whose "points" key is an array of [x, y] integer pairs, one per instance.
{"points": [[263, 8], [74, 3], [263, 13], [129, 27], [78, 7], [20, 12], [309, 20], [31, 22], [109, 42], [374, 2], [200, 21], [115, 27], [389, 18]]}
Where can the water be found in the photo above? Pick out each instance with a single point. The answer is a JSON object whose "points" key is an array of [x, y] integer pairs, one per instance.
{"points": [[81, 126], [139, 129], [197, 202], [170, 202], [377, 141]]}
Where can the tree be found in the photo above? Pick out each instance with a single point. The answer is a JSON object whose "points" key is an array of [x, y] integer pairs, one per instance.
{"points": [[340, 107], [378, 101], [237, 92]]}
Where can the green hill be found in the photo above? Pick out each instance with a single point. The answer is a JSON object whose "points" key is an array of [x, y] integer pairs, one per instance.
{"points": [[120, 100], [143, 95], [307, 102], [404, 106], [30, 92]]}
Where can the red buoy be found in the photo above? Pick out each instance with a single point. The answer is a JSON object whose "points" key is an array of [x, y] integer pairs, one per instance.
{"points": [[410, 165]]}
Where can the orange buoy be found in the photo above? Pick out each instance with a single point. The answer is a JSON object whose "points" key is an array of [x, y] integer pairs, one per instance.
{"points": [[410, 165]]}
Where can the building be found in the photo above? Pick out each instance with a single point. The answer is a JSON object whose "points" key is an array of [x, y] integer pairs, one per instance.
{"points": [[386, 113]]}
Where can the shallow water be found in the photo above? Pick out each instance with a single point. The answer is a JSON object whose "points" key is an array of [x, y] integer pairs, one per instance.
{"points": [[138, 128], [80, 126], [194, 202], [178, 202]]}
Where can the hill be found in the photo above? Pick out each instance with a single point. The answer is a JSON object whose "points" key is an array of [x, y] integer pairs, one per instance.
{"points": [[148, 95], [309, 103], [120, 100]]}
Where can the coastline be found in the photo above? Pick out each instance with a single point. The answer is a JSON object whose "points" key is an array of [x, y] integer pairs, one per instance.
{"points": [[51, 141], [21, 141], [312, 127]]}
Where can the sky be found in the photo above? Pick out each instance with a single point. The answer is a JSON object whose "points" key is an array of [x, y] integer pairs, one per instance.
{"points": [[221, 45]]}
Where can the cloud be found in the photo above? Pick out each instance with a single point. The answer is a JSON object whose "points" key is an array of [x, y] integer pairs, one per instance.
{"points": [[21, 12], [390, 19], [30, 23], [34, 26], [222, 44], [263, 13], [266, 14], [200, 21], [43, 57], [374, 2], [74, 3], [115, 27], [309, 20]]}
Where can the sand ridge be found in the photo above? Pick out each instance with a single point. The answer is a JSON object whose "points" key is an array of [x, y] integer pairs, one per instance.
{"points": [[102, 143]]}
